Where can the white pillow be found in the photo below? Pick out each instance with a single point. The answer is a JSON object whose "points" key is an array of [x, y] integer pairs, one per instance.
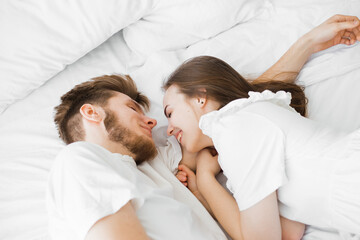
{"points": [[179, 23], [40, 37]]}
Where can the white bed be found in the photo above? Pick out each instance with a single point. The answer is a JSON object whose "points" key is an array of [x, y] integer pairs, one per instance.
{"points": [[46, 47]]}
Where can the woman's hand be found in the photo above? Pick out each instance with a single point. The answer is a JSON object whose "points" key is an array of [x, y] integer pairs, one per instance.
{"points": [[187, 177], [207, 162], [338, 29]]}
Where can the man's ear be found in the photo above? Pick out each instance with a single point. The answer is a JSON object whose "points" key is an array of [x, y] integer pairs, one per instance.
{"points": [[91, 113]]}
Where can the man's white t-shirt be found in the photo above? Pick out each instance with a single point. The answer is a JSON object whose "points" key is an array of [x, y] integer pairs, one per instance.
{"points": [[87, 183]]}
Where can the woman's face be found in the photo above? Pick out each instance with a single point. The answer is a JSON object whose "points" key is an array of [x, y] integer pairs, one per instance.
{"points": [[183, 115]]}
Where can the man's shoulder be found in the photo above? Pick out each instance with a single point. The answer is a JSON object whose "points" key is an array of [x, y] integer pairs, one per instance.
{"points": [[79, 154], [79, 149]]}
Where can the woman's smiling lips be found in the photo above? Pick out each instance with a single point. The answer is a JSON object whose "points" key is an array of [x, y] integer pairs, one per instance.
{"points": [[178, 136]]}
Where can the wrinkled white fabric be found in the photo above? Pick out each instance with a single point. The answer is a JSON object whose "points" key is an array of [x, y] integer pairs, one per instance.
{"points": [[87, 183], [40, 38]]}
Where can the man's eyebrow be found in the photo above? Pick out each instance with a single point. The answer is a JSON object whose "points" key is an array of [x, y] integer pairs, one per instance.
{"points": [[165, 110]]}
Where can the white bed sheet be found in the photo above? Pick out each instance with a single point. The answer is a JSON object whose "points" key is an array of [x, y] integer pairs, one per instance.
{"points": [[29, 142]]}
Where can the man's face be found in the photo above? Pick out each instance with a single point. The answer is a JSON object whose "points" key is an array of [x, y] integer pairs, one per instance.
{"points": [[127, 124]]}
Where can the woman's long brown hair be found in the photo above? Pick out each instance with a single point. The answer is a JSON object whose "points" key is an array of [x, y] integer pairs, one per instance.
{"points": [[224, 84]]}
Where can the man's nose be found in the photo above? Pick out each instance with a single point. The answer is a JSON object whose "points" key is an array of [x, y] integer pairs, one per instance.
{"points": [[151, 122]]}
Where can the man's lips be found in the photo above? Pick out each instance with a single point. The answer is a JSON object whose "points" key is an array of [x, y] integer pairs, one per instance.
{"points": [[148, 131]]}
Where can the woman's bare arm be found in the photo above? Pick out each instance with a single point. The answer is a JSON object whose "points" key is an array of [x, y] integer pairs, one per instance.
{"points": [[222, 204], [291, 230], [339, 29], [261, 221]]}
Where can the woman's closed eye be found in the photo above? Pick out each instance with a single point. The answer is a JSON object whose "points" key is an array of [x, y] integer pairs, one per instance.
{"points": [[166, 112]]}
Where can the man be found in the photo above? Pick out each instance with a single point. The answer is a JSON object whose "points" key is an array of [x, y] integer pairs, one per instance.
{"points": [[102, 185]]}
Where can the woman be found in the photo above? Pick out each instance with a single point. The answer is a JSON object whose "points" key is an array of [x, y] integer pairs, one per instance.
{"points": [[276, 161]]}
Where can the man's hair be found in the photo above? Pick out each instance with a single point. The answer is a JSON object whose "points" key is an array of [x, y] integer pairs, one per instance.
{"points": [[96, 91]]}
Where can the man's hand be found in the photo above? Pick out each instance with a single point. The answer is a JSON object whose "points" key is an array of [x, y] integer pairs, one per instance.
{"points": [[338, 29]]}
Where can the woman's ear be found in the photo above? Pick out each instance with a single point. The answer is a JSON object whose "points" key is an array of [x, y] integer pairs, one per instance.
{"points": [[91, 113], [202, 100]]}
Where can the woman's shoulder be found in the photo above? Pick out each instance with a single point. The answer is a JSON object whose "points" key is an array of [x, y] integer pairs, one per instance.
{"points": [[244, 114], [234, 109], [280, 98]]}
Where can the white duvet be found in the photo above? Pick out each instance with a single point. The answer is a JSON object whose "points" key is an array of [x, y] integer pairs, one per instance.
{"points": [[41, 43]]}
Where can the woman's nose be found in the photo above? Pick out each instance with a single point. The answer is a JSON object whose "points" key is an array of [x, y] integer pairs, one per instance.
{"points": [[170, 130]]}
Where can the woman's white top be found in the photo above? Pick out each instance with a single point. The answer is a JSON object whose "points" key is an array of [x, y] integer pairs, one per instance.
{"points": [[264, 145]]}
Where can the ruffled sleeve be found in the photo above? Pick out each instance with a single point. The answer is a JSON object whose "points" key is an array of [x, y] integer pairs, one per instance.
{"points": [[280, 98]]}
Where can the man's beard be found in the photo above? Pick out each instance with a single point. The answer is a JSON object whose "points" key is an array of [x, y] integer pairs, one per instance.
{"points": [[142, 147]]}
